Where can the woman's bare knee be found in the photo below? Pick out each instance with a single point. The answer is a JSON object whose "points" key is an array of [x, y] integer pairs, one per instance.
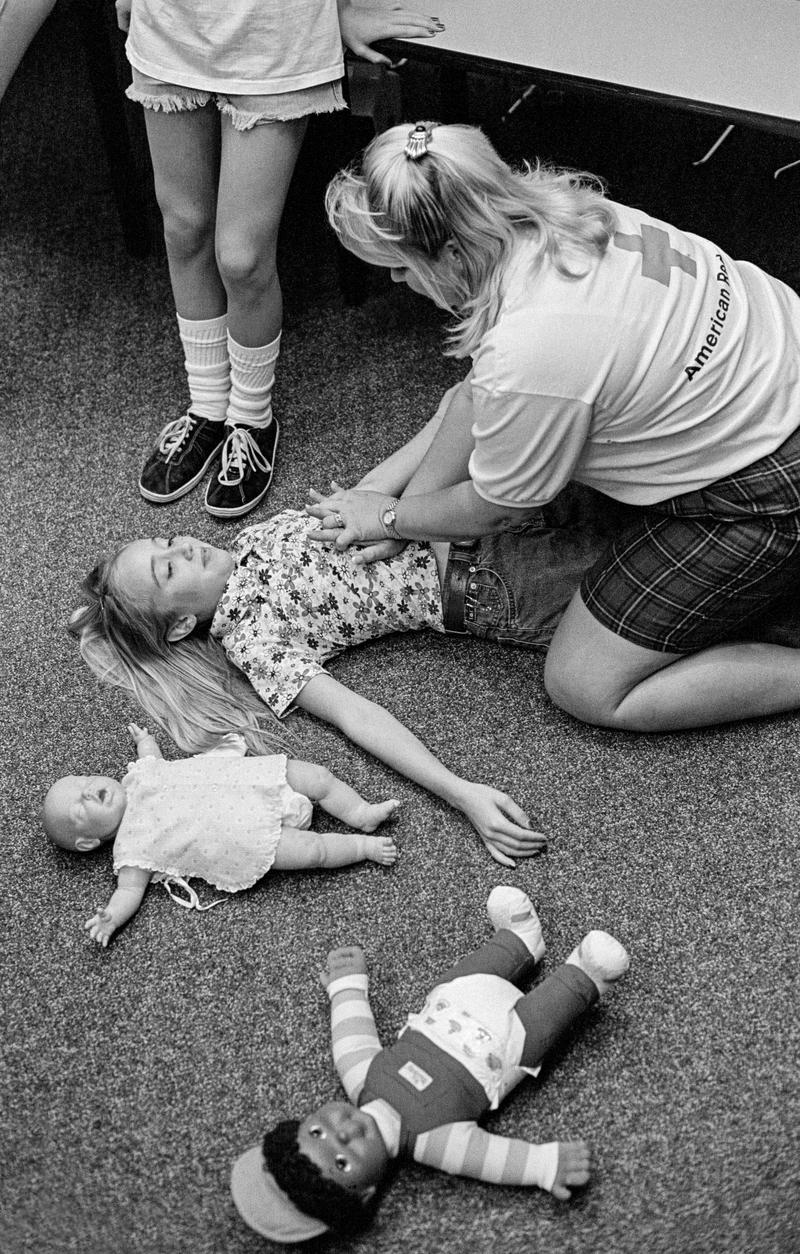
{"points": [[566, 687]]}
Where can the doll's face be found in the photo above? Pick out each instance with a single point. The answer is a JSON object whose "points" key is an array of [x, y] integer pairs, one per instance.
{"points": [[83, 811], [346, 1145]]}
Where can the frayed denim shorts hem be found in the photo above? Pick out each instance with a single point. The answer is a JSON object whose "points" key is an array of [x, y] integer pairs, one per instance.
{"points": [[245, 112]]}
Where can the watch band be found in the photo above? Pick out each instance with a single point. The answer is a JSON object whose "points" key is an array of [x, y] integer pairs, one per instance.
{"points": [[390, 527]]}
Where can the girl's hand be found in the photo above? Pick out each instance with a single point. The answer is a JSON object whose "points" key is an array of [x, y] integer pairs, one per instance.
{"points": [[101, 927], [137, 733], [348, 516], [123, 8], [501, 824], [362, 24]]}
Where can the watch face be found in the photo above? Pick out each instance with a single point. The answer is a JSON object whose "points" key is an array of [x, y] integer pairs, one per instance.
{"points": [[388, 517]]}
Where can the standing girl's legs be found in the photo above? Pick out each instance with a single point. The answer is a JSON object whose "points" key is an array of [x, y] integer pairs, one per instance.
{"points": [[184, 149], [256, 167]]}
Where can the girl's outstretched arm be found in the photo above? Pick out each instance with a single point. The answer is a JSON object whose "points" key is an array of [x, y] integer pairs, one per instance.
{"points": [[126, 899], [501, 824], [362, 24]]}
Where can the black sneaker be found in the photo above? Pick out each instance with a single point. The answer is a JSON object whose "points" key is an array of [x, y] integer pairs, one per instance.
{"points": [[184, 451], [248, 458]]}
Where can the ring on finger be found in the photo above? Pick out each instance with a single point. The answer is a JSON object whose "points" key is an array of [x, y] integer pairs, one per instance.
{"points": [[337, 518]]}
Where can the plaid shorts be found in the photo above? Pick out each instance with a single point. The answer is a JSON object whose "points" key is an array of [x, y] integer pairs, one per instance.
{"points": [[696, 569]]}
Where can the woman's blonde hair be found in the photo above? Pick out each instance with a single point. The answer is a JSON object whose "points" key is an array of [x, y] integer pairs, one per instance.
{"points": [[187, 687], [392, 210]]}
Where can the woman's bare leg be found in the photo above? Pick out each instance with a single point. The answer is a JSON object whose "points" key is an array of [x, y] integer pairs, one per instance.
{"points": [[601, 678]]}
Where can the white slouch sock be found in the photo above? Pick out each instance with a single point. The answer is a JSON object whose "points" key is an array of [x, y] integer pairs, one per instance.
{"points": [[208, 368], [252, 377]]}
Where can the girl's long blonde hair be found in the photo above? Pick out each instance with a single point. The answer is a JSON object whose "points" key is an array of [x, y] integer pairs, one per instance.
{"points": [[188, 688], [394, 211]]}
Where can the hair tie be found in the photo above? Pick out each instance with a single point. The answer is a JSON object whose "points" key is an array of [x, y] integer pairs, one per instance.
{"points": [[418, 139]]}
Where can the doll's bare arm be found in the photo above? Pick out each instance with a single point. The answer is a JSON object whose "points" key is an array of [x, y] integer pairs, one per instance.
{"points": [[336, 797], [353, 1034], [126, 899], [501, 824], [146, 745]]}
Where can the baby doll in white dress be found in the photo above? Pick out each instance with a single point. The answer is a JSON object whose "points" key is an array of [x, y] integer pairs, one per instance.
{"points": [[220, 816]]}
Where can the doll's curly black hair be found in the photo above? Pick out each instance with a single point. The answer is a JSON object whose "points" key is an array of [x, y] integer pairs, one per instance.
{"points": [[343, 1212]]}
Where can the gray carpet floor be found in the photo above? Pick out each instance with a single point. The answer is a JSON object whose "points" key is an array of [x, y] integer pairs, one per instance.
{"points": [[133, 1077]]}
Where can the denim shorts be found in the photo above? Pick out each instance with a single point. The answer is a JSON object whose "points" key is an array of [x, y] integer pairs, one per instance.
{"points": [[245, 112], [514, 586]]}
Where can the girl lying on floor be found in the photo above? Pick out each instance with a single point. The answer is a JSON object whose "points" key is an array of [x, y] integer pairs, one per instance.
{"points": [[218, 816], [175, 621]]}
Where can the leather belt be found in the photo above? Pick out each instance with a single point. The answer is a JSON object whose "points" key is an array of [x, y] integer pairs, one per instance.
{"points": [[460, 563]]}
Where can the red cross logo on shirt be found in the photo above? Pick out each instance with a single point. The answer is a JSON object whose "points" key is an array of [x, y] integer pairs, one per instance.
{"points": [[658, 255]]}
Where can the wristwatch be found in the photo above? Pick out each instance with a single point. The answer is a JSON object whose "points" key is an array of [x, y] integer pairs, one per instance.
{"points": [[387, 516]]}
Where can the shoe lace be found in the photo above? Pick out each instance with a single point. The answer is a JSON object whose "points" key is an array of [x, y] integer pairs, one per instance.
{"points": [[174, 434], [240, 452]]}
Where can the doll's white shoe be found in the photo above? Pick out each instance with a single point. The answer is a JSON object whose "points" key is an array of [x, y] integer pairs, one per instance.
{"points": [[511, 908], [602, 958]]}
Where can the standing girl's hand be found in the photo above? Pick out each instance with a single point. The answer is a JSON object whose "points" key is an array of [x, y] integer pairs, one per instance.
{"points": [[362, 24], [123, 8], [502, 825]]}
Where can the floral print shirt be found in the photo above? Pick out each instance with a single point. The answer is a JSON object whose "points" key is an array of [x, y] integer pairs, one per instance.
{"points": [[292, 604]]}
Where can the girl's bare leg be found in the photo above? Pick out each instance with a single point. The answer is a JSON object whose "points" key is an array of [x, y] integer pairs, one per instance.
{"points": [[256, 168], [305, 851], [184, 150]]}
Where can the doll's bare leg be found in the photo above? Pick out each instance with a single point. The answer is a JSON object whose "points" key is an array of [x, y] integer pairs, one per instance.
{"points": [[323, 788], [305, 851]]}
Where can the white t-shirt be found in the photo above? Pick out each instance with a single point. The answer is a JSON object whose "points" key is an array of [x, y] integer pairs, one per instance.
{"points": [[667, 366], [244, 47]]}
